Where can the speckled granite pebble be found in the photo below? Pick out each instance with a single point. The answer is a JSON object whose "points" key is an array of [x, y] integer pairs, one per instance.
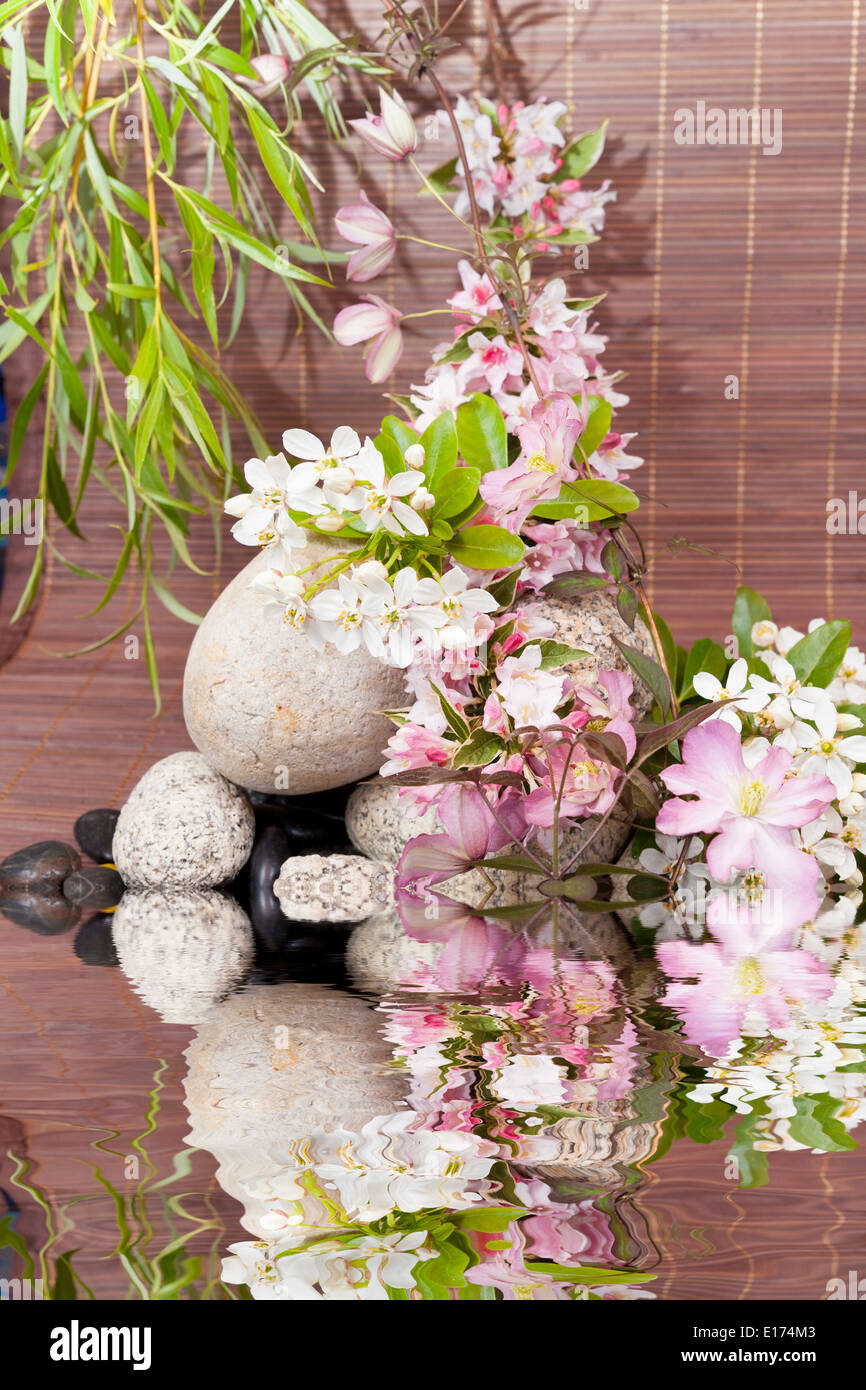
{"points": [[182, 950], [591, 623], [272, 713], [184, 826], [333, 888]]}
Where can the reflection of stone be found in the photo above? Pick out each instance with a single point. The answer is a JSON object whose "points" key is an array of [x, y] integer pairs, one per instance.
{"points": [[184, 826], [275, 1063], [381, 956], [182, 950], [272, 713], [595, 1145], [333, 887]]}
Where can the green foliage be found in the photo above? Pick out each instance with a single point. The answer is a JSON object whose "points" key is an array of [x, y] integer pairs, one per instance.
{"points": [[749, 608], [115, 298], [481, 433]]}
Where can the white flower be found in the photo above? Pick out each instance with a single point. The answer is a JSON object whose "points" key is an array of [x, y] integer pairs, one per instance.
{"points": [[286, 591], [337, 614], [345, 445], [380, 497], [764, 633], [848, 686], [786, 638], [685, 915], [453, 607], [820, 837], [709, 687], [788, 698], [276, 488], [829, 750], [529, 694], [392, 620]]}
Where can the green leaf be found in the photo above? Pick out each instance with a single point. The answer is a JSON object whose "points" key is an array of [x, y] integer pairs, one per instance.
{"points": [[667, 734], [647, 888], [591, 499], [597, 425], [17, 88], [455, 491], [400, 432], [481, 433], [556, 654], [486, 548], [442, 177], [479, 749], [455, 720], [439, 442], [705, 655], [579, 888], [649, 671], [817, 657], [580, 156], [749, 608]]}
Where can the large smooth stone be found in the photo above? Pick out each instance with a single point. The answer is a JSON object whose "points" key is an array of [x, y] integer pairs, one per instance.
{"points": [[184, 826], [269, 711], [591, 623], [273, 1064], [182, 950], [381, 956]]}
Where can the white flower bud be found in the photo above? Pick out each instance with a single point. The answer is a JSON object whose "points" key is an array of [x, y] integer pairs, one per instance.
{"points": [[414, 456], [855, 879], [370, 569], [340, 480], [786, 638], [852, 804], [292, 584], [240, 505], [846, 722], [335, 522], [859, 780], [780, 713], [764, 633], [422, 499]]}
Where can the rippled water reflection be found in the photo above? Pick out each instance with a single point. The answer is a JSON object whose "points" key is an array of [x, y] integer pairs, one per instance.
{"points": [[491, 1111]]}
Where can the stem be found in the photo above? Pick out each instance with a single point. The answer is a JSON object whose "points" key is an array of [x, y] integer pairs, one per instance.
{"points": [[404, 236], [153, 219], [508, 307]]}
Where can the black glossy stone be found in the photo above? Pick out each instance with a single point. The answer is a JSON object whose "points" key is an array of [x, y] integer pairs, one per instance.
{"points": [[94, 943], [95, 888], [45, 864], [307, 830], [47, 913], [271, 849], [94, 832]]}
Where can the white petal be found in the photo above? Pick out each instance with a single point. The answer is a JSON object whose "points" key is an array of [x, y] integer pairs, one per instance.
{"points": [[345, 442], [303, 445], [707, 685], [411, 520]]}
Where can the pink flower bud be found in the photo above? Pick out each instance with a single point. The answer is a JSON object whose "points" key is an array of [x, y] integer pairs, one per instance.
{"points": [[272, 70], [366, 226], [392, 133], [373, 319]]}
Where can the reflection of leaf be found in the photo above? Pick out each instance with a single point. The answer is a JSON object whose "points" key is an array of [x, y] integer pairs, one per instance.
{"points": [[816, 1125]]}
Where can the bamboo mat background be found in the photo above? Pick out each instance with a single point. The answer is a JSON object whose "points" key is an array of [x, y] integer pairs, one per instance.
{"points": [[717, 261]]}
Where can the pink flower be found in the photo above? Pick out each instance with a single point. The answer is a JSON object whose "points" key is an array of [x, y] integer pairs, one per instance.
{"points": [[367, 226], [477, 298], [392, 133], [743, 977], [272, 69], [472, 945], [414, 746], [547, 438], [614, 715], [590, 786], [493, 360], [375, 319], [753, 809]]}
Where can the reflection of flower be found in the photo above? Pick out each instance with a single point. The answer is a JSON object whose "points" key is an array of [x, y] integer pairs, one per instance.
{"points": [[363, 1270], [743, 981]]}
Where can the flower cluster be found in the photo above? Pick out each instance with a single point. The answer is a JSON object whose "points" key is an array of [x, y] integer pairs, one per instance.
{"points": [[518, 163]]}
